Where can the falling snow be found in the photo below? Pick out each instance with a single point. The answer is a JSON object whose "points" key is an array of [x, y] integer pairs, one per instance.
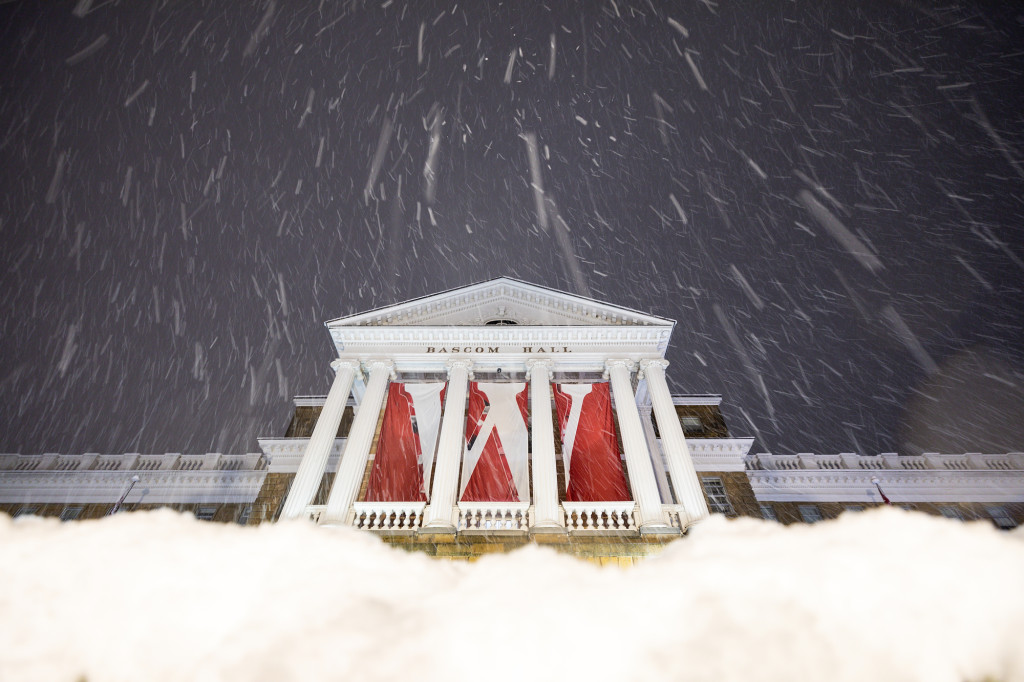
{"points": [[827, 198]]}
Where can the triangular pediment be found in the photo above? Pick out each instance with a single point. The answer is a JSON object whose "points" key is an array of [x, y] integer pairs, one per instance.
{"points": [[502, 301]]}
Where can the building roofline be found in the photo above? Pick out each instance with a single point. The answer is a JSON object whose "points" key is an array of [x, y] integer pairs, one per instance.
{"points": [[496, 280]]}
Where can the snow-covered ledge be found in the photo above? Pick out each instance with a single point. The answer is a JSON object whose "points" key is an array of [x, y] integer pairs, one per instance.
{"points": [[284, 454], [93, 478], [848, 477], [719, 454], [132, 461]]}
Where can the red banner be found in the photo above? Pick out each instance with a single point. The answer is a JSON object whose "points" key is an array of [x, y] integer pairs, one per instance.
{"points": [[590, 452], [405, 449], [496, 465]]}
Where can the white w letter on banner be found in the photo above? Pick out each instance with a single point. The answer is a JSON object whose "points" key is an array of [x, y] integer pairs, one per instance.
{"points": [[426, 403], [504, 418], [577, 393]]}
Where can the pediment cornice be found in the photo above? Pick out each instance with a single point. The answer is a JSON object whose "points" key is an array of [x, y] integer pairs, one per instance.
{"points": [[501, 299]]}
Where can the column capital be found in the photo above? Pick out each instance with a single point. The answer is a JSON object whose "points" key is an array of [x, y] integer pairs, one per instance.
{"points": [[545, 364], [459, 363], [345, 363], [654, 362], [613, 363], [382, 363]]}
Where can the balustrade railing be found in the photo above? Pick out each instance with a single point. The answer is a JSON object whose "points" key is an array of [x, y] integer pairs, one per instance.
{"points": [[676, 516], [599, 515], [496, 516], [493, 516], [387, 515], [886, 461], [499, 516]]}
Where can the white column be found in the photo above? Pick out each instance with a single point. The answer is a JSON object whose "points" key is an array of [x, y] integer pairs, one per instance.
{"points": [[360, 438], [546, 512], [656, 459], [318, 449], [437, 517], [680, 463], [641, 473]]}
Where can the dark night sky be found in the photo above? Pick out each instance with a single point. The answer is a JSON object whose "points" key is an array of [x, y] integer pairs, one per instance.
{"points": [[826, 196]]}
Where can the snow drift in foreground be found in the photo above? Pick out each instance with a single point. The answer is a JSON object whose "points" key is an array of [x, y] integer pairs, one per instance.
{"points": [[881, 595]]}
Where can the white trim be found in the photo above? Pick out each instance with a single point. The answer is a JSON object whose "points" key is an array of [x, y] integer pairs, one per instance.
{"points": [[704, 399], [578, 333], [971, 461], [718, 454], [898, 486], [503, 297], [131, 461], [284, 454], [572, 348], [317, 401], [106, 487], [309, 400], [848, 477]]}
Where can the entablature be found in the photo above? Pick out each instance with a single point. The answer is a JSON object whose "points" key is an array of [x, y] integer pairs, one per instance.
{"points": [[283, 455], [848, 477], [719, 454], [568, 344]]}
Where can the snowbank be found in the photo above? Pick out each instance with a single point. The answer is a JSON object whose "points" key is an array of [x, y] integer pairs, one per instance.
{"points": [[881, 595]]}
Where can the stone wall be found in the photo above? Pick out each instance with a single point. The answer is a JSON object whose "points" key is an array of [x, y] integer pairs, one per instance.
{"points": [[223, 513], [267, 504], [624, 550], [304, 419], [711, 421]]}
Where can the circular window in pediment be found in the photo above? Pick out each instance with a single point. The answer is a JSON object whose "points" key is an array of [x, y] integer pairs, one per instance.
{"points": [[501, 322]]}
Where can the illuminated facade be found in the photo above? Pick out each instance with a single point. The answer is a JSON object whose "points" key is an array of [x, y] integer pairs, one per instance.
{"points": [[490, 416]]}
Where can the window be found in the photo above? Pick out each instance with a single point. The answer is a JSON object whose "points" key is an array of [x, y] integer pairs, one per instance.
{"points": [[768, 513], [951, 513], [70, 513], [243, 516], [691, 424], [206, 512], [1001, 517], [855, 508], [717, 499], [26, 511], [810, 513]]}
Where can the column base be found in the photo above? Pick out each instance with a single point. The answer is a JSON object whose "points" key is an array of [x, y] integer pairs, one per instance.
{"points": [[659, 529], [553, 529], [440, 529]]}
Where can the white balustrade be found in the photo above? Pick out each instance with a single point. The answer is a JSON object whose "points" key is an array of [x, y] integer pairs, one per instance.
{"points": [[676, 516], [886, 461], [103, 486], [826, 462], [387, 515], [492, 516], [600, 515], [313, 512]]}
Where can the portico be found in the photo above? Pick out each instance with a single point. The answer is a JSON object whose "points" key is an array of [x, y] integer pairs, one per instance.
{"points": [[488, 343]]}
